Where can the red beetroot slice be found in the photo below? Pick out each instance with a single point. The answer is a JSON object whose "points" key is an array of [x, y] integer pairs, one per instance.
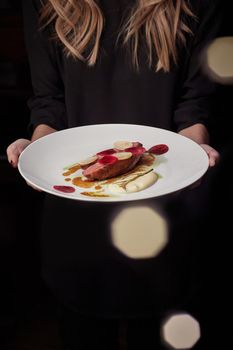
{"points": [[106, 160], [159, 149], [106, 152], [135, 150], [66, 189]]}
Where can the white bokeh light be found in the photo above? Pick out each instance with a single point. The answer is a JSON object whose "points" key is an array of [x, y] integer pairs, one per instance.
{"points": [[181, 331], [139, 232], [219, 60]]}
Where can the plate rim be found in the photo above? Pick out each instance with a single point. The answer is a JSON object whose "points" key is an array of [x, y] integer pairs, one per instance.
{"points": [[182, 185]]}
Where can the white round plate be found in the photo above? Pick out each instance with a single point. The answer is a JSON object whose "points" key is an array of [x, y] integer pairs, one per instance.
{"points": [[42, 162]]}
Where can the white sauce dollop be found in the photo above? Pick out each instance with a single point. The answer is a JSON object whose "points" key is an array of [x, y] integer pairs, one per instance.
{"points": [[139, 184]]}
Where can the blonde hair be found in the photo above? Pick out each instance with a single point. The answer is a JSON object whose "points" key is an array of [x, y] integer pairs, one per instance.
{"points": [[159, 24]]}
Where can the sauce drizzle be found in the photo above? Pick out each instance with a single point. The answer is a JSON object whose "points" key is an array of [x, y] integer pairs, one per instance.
{"points": [[77, 181], [94, 194], [66, 189], [72, 170]]}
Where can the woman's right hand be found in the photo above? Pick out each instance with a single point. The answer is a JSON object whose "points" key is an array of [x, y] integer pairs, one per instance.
{"points": [[15, 149], [13, 152]]}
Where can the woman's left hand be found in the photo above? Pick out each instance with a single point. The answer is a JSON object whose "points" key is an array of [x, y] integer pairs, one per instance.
{"points": [[199, 133], [213, 155]]}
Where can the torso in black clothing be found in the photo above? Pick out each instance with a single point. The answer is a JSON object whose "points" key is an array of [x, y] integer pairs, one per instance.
{"points": [[78, 260], [113, 91], [68, 93]]}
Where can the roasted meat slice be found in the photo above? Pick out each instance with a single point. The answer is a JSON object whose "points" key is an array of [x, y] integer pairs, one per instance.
{"points": [[100, 171]]}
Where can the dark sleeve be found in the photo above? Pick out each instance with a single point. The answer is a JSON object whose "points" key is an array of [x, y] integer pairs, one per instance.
{"points": [[47, 103], [197, 91]]}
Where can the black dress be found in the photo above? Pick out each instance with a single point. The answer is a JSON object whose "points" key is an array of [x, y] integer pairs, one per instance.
{"points": [[79, 263]]}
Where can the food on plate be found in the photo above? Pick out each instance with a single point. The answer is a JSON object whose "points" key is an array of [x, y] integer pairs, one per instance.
{"points": [[125, 168], [115, 161], [121, 145], [107, 152], [88, 161], [118, 185], [141, 182], [66, 189], [159, 149], [103, 170], [123, 155]]}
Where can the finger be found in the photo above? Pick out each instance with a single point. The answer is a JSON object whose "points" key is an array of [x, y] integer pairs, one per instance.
{"points": [[13, 155], [213, 157], [196, 184], [21, 145], [211, 161], [15, 149]]}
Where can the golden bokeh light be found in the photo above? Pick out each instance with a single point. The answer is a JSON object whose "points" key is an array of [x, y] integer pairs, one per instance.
{"points": [[181, 331], [219, 60], [139, 232]]}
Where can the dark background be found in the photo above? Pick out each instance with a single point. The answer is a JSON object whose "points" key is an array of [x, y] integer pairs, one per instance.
{"points": [[24, 300]]}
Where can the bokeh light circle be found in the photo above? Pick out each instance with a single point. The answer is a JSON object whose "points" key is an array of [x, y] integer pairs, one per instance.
{"points": [[139, 232]]}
